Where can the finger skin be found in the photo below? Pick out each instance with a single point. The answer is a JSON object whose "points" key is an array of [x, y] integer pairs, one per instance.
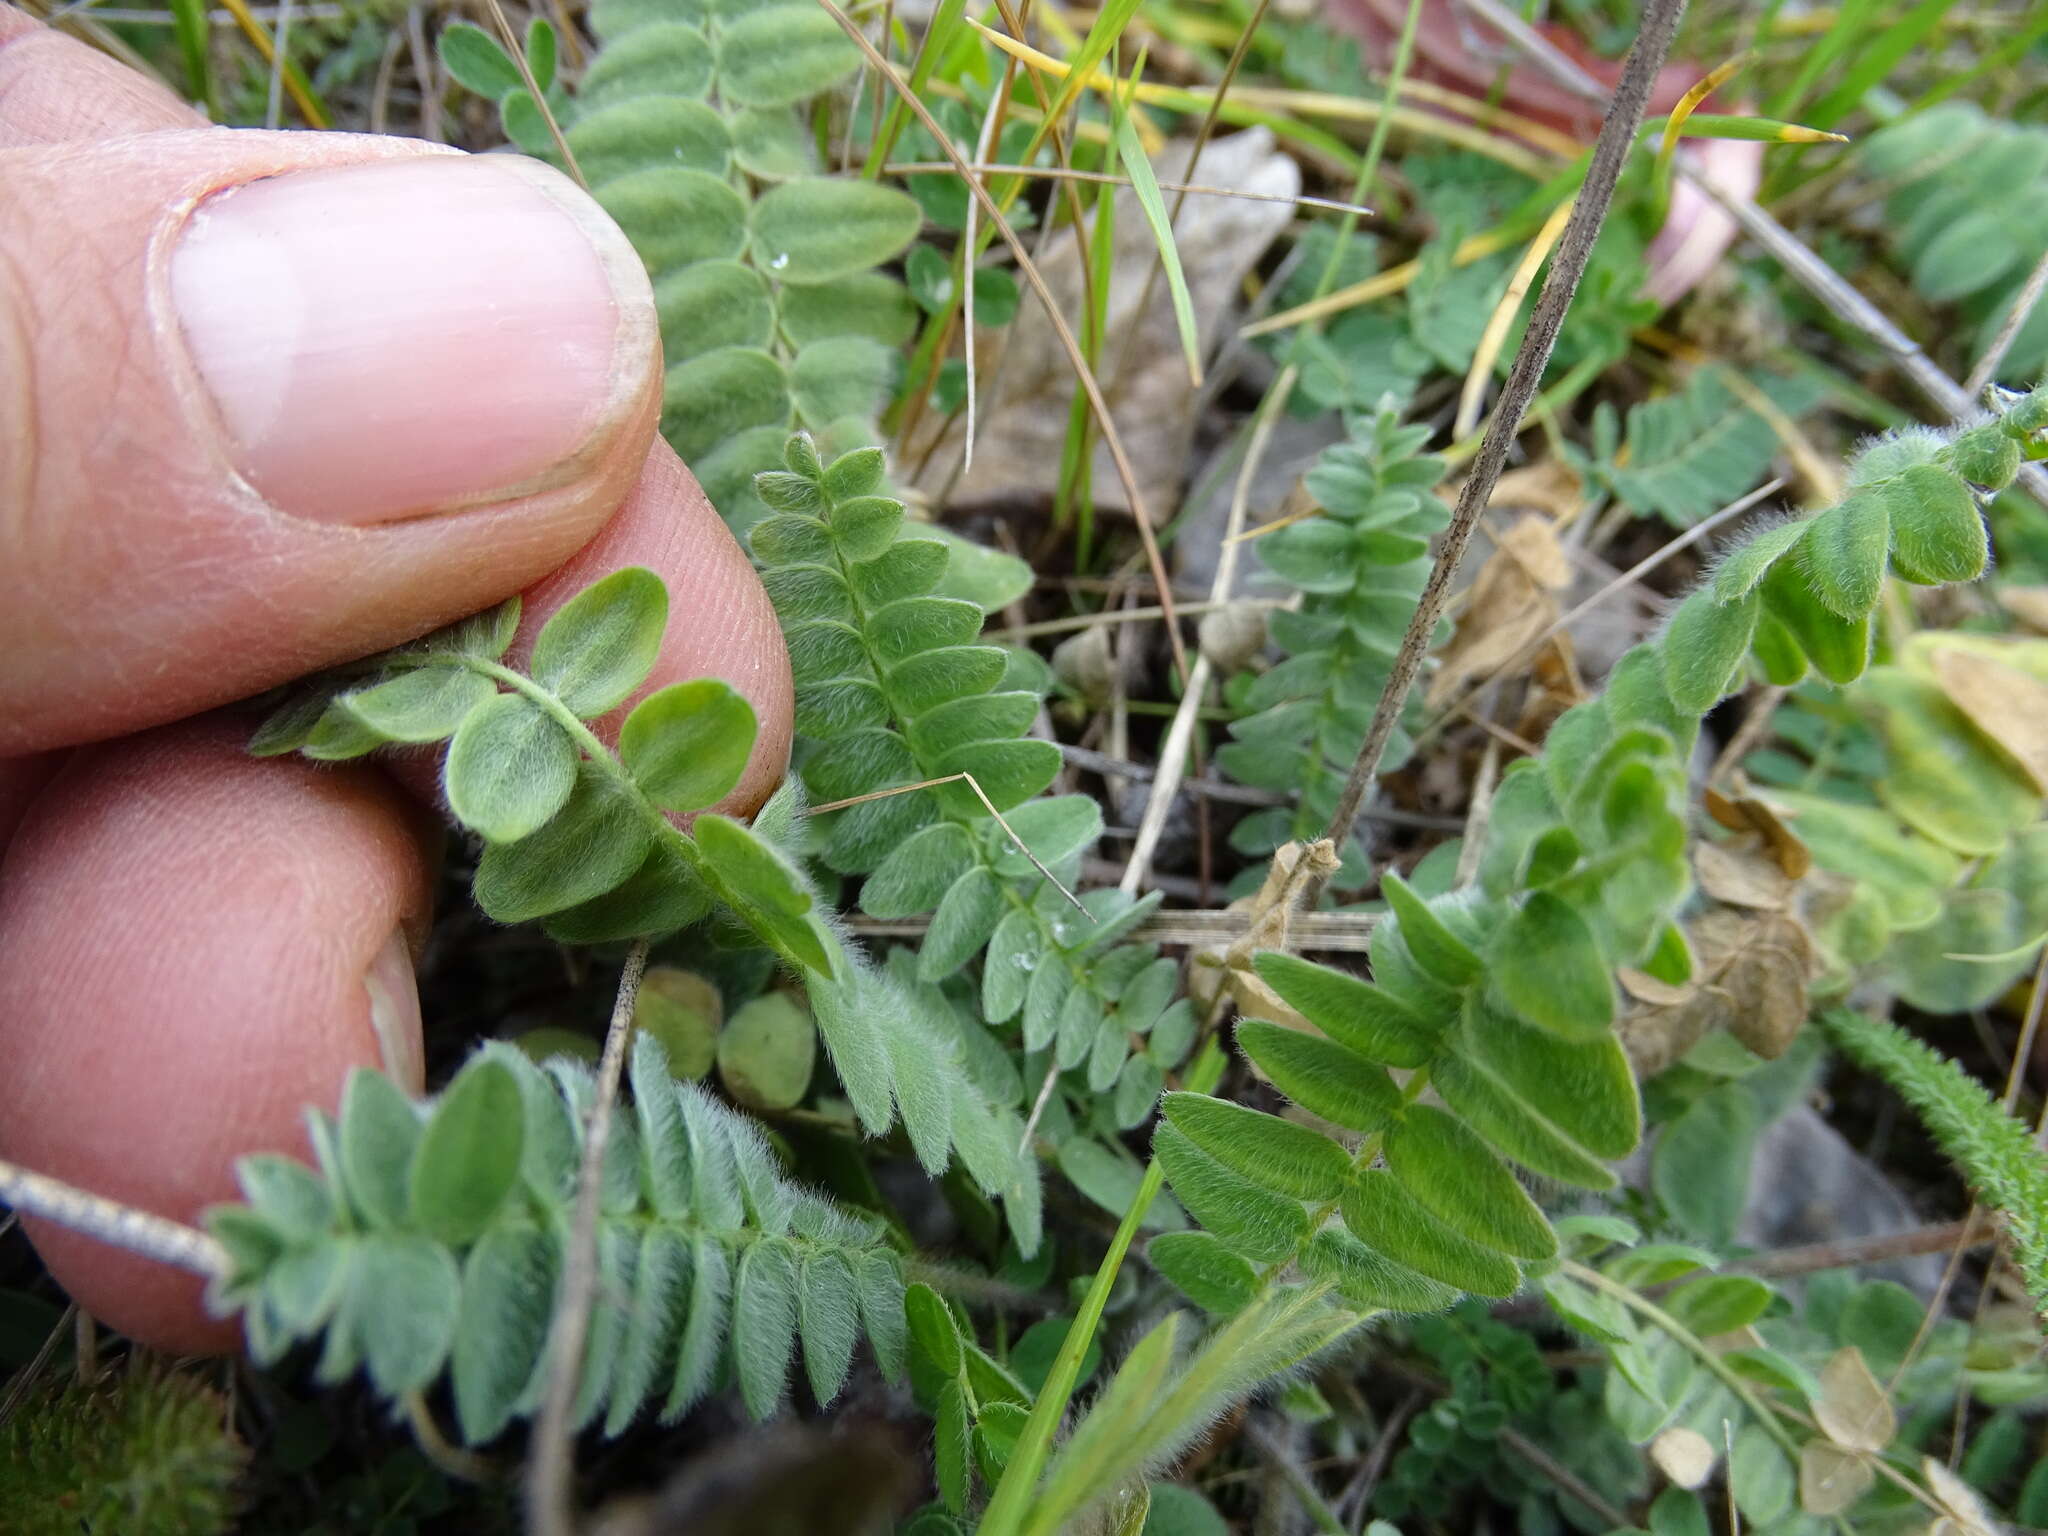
{"points": [[147, 578], [185, 933], [54, 89]]}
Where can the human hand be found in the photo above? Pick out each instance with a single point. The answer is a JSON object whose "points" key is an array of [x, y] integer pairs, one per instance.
{"points": [[269, 402]]}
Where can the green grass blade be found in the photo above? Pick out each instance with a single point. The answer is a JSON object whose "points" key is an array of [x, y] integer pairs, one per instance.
{"points": [[1146, 185], [188, 19]]}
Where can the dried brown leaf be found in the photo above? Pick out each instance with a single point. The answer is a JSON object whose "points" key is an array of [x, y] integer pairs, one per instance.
{"points": [[1684, 1455], [1512, 601], [1853, 1409], [2001, 701], [1742, 874], [1830, 1478], [2027, 604]]}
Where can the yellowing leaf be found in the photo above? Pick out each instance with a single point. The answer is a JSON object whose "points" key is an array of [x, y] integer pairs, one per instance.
{"points": [[1853, 1410]]}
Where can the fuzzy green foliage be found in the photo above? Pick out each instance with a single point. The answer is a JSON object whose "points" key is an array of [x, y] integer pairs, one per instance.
{"points": [[1967, 216], [1359, 564], [148, 1452], [1690, 453], [711, 1264], [894, 691], [575, 833], [1996, 1153], [1501, 996], [581, 836], [772, 313]]}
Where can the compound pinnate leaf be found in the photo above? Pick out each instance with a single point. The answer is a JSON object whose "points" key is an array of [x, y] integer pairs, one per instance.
{"points": [[857, 473], [592, 845], [813, 229], [508, 1278], [687, 745], [467, 1159], [1369, 1279], [509, 769], [601, 644]]}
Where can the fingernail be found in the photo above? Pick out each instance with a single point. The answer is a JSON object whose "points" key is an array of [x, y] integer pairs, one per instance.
{"points": [[412, 337], [395, 1013]]}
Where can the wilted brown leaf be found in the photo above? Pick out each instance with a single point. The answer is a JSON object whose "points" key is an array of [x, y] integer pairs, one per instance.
{"points": [[1740, 873], [1750, 973], [1852, 1409], [2027, 604], [1512, 601], [2001, 701], [1830, 1478], [1684, 1455]]}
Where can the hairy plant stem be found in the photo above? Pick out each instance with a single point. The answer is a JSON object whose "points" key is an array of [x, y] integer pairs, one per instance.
{"points": [[551, 1466], [1691, 1342], [1568, 265], [144, 1232], [1011, 1503]]}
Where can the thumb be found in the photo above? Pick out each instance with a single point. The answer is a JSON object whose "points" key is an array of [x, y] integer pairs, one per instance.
{"points": [[272, 401]]}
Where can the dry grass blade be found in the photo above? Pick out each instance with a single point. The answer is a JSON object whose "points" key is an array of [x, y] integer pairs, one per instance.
{"points": [[1096, 403], [551, 1463], [1173, 753], [152, 1236], [1503, 317], [1069, 173], [302, 98], [2009, 329], [517, 48], [970, 781]]}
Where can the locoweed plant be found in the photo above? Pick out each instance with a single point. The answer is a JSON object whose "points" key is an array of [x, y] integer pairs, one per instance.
{"points": [[581, 837], [711, 1265], [772, 311], [1359, 565], [1501, 997]]}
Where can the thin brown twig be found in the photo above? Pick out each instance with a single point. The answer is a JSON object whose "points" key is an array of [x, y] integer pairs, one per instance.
{"points": [[551, 1464], [1111, 439], [1567, 266]]}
